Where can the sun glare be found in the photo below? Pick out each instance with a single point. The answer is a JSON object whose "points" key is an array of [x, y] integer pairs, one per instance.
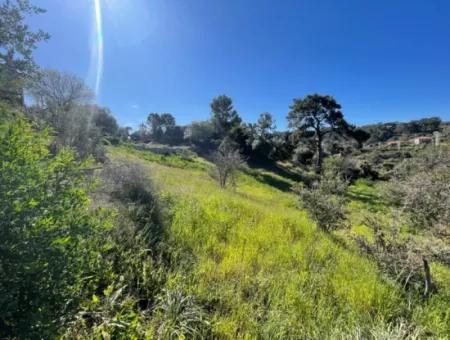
{"points": [[128, 23], [97, 46]]}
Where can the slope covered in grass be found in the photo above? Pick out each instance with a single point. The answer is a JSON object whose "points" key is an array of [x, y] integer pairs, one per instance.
{"points": [[260, 268]]}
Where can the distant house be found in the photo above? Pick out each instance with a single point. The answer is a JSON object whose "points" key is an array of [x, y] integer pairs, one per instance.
{"points": [[422, 140], [395, 143]]}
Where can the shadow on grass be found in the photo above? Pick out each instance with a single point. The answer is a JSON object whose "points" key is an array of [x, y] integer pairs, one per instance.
{"points": [[275, 168], [370, 201], [280, 184], [281, 179]]}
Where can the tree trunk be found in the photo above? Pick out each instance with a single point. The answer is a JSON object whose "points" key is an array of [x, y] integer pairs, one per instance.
{"points": [[319, 151], [428, 281], [223, 180]]}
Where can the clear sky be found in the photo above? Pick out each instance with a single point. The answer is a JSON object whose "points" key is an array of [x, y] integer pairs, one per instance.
{"points": [[383, 60]]}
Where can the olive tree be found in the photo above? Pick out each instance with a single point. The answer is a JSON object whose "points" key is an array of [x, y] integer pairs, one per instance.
{"points": [[55, 91], [64, 102], [227, 160]]}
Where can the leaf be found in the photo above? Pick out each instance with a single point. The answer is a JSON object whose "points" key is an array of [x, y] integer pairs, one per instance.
{"points": [[95, 299]]}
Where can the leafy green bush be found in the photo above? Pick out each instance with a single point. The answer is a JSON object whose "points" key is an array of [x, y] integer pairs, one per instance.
{"points": [[46, 231]]}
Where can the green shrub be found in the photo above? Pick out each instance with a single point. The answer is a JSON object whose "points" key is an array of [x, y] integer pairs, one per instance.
{"points": [[46, 231], [327, 210], [325, 200]]}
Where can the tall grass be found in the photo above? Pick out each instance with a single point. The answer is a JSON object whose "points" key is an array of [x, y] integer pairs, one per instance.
{"points": [[261, 269]]}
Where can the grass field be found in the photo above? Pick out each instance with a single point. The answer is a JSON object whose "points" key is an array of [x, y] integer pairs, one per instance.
{"points": [[261, 269]]}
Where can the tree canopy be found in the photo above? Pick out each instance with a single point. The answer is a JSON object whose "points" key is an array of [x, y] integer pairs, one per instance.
{"points": [[224, 117], [17, 43], [321, 114], [54, 91]]}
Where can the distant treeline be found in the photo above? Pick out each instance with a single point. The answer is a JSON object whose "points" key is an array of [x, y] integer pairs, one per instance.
{"points": [[382, 132]]}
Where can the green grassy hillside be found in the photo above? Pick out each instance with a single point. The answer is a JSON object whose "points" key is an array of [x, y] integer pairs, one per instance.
{"points": [[261, 268]]}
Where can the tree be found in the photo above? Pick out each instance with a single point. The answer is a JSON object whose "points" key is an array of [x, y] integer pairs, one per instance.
{"points": [[17, 44], [55, 91], [174, 135], [154, 122], [124, 133], [200, 133], [265, 125], [106, 122], [141, 134], [167, 120], [159, 124], [78, 131], [224, 117], [63, 101], [227, 160], [360, 136], [258, 137], [429, 125], [320, 114]]}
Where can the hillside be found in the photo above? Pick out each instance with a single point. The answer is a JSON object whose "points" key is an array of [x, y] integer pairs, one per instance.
{"points": [[261, 268], [266, 215]]}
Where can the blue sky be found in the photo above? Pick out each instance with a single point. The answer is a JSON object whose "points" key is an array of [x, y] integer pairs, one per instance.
{"points": [[382, 60]]}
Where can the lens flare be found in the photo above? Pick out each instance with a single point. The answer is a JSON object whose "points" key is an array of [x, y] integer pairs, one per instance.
{"points": [[129, 22], [96, 65]]}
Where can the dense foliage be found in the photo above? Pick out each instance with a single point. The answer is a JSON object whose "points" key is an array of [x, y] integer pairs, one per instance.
{"points": [[17, 43], [45, 228]]}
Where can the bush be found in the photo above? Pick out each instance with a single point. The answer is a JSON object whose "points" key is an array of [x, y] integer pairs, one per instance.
{"points": [[328, 211], [405, 261], [342, 168], [421, 187], [303, 154], [325, 200], [129, 184], [47, 234], [332, 185]]}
